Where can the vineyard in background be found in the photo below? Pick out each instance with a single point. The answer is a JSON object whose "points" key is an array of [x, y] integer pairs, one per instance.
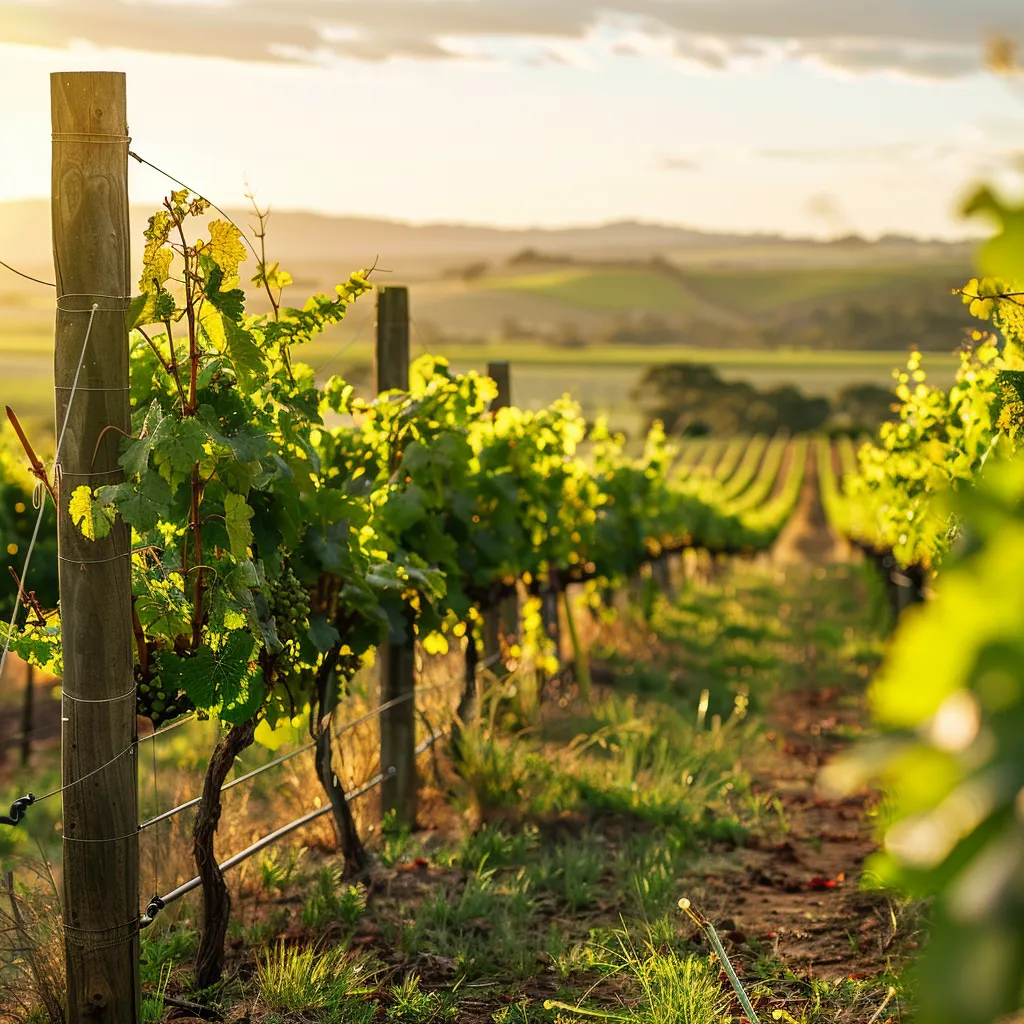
{"points": [[363, 583]]}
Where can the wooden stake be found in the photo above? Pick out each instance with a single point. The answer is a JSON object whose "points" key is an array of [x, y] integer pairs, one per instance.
{"points": [[397, 660], [27, 714], [100, 830], [501, 374], [501, 623]]}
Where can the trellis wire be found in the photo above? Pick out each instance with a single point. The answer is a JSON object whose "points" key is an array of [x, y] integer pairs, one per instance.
{"points": [[31, 799], [28, 277], [42, 503], [158, 903], [195, 801]]}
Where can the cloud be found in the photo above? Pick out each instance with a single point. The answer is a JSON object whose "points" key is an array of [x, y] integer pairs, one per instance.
{"points": [[925, 38], [885, 153], [679, 163], [827, 208]]}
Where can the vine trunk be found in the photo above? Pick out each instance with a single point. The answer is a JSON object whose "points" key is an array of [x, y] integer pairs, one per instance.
{"points": [[216, 899]]}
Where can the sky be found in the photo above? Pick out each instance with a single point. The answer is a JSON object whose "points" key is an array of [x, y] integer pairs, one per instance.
{"points": [[802, 117]]}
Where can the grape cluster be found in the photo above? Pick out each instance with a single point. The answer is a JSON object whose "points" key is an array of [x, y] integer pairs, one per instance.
{"points": [[159, 705], [289, 605]]}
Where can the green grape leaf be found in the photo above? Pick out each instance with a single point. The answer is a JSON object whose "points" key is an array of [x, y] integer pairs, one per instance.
{"points": [[220, 680], [237, 514], [265, 622], [38, 645], [245, 355], [338, 395], [1002, 255], [135, 458], [248, 444], [239, 346], [163, 608], [157, 233], [178, 444], [406, 508], [232, 302], [94, 516], [241, 581], [273, 276], [225, 247], [150, 308], [136, 311], [142, 505], [322, 633]]}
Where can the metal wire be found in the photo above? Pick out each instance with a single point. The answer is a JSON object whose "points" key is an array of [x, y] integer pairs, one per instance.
{"points": [[127, 750], [171, 177], [42, 504], [195, 801], [159, 902], [28, 277]]}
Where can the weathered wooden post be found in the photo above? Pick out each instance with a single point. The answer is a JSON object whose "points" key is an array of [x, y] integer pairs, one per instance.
{"points": [[501, 620], [100, 831], [397, 659], [550, 593], [660, 574], [27, 714]]}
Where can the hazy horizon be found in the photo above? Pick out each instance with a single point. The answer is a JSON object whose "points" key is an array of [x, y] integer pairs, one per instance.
{"points": [[970, 233], [785, 117]]}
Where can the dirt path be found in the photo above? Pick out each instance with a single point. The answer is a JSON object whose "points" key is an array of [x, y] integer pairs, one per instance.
{"points": [[807, 537], [797, 886]]}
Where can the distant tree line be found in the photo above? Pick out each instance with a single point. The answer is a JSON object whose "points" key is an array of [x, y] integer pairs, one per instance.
{"points": [[692, 399]]}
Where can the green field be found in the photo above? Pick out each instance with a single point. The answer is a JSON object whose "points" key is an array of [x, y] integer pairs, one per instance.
{"points": [[601, 378], [592, 327], [604, 289]]}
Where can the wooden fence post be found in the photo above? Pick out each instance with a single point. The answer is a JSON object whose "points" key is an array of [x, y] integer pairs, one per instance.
{"points": [[397, 660], [27, 714], [550, 593], [100, 830], [501, 621]]}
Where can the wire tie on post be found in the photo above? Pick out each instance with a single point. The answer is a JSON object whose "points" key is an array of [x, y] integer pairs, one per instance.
{"points": [[111, 839], [99, 700], [95, 307], [100, 138], [65, 387], [118, 934], [94, 561]]}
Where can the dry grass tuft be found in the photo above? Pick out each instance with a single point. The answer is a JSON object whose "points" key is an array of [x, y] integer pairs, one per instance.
{"points": [[31, 950]]}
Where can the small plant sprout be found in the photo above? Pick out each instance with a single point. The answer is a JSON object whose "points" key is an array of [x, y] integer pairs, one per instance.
{"points": [[702, 709], [716, 944], [885, 1003], [554, 1004]]}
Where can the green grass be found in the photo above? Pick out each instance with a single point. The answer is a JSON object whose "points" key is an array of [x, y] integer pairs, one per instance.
{"points": [[604, 290], [324, 983], [557, 900], [673, 988], [751, 290], [601, 377]]}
